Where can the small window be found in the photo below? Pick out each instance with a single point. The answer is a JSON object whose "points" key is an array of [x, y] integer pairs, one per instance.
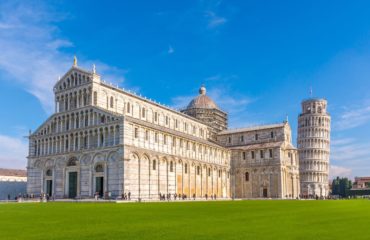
{"points": [[174, 142], [272, 134], [99, 168], [111, 102], [219, 173], [229, 139], [209, 172], [185, 126], [194, 129], [242, 138], [198, 170], [247, 176], [256, 137], [176, 123], [154, 164], [86, 120], [128, 110], [136, 132], [261, 153], [95, 98], [155, 116], [270, 151], [166, 120], [156, 137], [143, 112], [72, 162], [252, 153], [244, 156], [146, 135], [171, 166], [165, 139], [49, 173], [186, 168]]}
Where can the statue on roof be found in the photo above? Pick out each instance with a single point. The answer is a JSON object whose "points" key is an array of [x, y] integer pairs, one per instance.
{"points": [[75, 61]]}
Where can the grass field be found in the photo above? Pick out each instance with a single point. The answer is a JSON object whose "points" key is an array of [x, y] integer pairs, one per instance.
{"points": [[348, 219]]}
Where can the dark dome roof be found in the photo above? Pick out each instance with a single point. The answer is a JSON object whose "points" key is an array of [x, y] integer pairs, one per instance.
{"points": [[202, 101]]}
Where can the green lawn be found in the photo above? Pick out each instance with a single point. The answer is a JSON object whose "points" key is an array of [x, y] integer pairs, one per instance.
{"points": [[188, 220]]}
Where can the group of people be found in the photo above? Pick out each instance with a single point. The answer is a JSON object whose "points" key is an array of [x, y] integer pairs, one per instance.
{"points": [[22, 197], [175, 196], [126, 196]]}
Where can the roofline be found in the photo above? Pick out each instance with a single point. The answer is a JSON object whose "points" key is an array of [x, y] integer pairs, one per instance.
{"points": [[145, 99], [72, 68], [313, 99], [255, 128]]}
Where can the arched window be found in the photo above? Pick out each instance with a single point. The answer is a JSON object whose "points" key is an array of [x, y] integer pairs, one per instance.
{"points": [[99, 168], [101, 139], [154, 164], [128, 107], [49, 173], [111, 102], [247, 176], [72, 162], [171, 166]]}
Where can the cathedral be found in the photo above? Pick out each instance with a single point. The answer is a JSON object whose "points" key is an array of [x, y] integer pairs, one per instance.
{"points": [[103, 141]]}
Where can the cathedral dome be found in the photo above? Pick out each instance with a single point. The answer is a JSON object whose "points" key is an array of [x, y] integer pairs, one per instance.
{"points": [[202, 101]]}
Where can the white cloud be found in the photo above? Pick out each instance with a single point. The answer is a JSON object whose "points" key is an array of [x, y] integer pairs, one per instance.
{"points": [[353, 117], [31, 49], [214, 20], [13, 152], [170, 50], [350, 154], [338, 171]]}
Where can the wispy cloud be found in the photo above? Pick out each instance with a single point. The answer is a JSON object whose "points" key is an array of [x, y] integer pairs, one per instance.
{"points": [[353, 117], [31, 48], [13, 152], [338, 171], [351, 154], [170, 50], [214, 20]]}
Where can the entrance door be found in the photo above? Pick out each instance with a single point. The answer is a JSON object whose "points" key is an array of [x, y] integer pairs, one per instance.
{"points": [[49, 187], [99, 183], [72, 184], [265, 192]]}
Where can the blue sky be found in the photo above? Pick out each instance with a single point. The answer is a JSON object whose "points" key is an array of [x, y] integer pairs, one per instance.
{"points": [[258, 60]]}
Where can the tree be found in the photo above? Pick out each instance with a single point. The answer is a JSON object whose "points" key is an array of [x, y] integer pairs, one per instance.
{"points": [[341, 187]]}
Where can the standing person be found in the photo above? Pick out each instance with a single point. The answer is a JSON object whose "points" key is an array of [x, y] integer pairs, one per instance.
{"points": [[8, 197], [96, 196], [129, 195]]}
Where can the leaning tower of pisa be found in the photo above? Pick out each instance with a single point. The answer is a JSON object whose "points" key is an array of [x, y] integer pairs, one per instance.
{"points": [[314, 147]]}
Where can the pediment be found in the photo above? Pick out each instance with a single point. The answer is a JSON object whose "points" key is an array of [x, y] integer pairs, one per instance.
{"points": [[74, 77]]}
